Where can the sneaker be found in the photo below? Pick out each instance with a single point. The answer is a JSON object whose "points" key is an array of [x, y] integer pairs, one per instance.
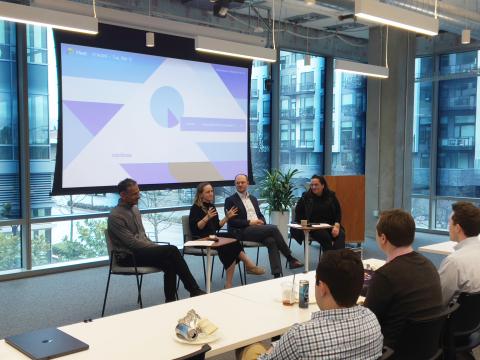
{"points": [[256, 270], [197, 292], [294, 264]]}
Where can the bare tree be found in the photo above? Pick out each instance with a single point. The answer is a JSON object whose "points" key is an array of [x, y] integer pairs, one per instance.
{"points": [[159, 221]]}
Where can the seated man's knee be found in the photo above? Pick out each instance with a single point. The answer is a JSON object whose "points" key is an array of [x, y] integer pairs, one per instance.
{"points": [[269, 241], [171, 250]]}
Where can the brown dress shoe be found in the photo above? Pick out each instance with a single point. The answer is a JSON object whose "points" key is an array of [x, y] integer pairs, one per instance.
{"points": [[294, 264]]}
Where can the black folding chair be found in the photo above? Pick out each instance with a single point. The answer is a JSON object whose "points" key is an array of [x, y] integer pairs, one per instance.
{"points": [[422, 338], [116, 269], [464, 326], [195, 251]]}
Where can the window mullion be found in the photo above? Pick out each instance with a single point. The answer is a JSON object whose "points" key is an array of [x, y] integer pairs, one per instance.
{"points": [[24, 155]]}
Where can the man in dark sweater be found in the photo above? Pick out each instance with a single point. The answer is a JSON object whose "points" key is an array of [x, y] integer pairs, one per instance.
{"points": [[408, 285], [126, 232]]}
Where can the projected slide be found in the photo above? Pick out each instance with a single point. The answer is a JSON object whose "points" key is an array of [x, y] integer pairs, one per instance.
{"points": [[155, 119]]}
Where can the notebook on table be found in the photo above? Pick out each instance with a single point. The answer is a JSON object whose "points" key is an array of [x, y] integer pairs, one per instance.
{"points": [[46, 343]]}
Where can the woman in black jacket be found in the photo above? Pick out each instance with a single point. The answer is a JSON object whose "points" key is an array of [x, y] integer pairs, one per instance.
{"points": [[204, 221], [320, 205]]}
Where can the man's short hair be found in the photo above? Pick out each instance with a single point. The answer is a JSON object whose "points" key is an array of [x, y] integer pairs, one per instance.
{"points": [[467, 216], [236, 176], [398, 226], [342, 271], [125, 184]]}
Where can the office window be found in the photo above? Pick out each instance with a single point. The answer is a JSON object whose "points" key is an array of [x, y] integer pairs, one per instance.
{"points": [[457, 63], [260, 122], [307, 81], [456, 147], [58, 235], [266, 108], [302, 114], [66, 241], [423, 67], [349, 124], [422, 129], [458, 165], [10, 248], [254, 88], [10, 240]]}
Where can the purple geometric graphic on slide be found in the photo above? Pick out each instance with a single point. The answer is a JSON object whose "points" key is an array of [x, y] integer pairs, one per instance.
{"points": [[166, 106], [229, 169], [93, 115], [75, 134], [235, 79], [149, 173]]}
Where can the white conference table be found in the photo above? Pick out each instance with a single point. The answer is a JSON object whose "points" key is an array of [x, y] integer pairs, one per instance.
{"points": [[443, 248], [269, 293], [149, 333], [244, 315]]}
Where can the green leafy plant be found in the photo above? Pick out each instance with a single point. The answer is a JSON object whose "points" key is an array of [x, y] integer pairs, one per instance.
{"points": [[277, 188]]}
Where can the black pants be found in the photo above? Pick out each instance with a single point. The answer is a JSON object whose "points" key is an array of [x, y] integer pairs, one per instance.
{"points": [[270, 236], [327, 241], [169, 259], [229, 253]]}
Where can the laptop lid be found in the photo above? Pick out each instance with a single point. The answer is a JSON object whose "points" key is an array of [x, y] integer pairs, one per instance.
{"points": [[46, 343]]}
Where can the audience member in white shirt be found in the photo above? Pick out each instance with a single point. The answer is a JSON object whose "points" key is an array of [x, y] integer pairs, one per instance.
{"points": [[460, 271]]}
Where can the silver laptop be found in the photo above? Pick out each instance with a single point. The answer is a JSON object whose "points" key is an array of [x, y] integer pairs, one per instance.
{"points": [[46, 344]]}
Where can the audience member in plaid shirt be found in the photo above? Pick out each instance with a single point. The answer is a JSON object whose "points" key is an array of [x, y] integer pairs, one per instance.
{"points": [[341, 329]]}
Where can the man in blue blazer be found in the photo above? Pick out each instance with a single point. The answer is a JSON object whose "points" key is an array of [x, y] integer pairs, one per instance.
{"points": [[250, 225]]}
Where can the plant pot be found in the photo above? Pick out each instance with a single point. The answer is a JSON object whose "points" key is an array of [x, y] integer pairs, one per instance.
{"points": [[281, 220]]}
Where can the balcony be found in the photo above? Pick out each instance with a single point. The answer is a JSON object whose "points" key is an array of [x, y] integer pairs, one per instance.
{"points": [[456, 69], [353, 82], [457, 143], [351, 110], [287, 114], [288, 89], [308, 112], [307, 86], [287, 144], [305, 144], [458, 103]]}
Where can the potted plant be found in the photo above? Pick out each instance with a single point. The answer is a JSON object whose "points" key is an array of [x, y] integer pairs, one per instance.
{"points": [[277, 188]]}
